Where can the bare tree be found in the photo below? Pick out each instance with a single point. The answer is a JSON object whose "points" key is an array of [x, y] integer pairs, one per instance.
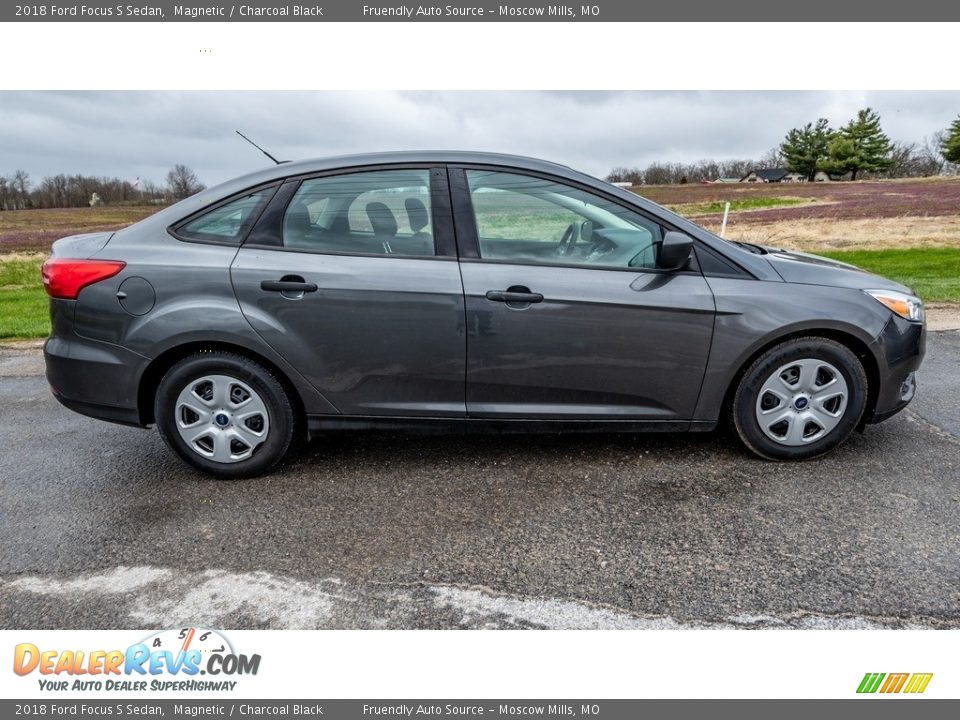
{"points": [[708, 170], [20, 187], [772, 158], [56, 191], [904, 161], [735, 168], [932, 153], [625, 174], [657, 174], [183, 182], [150, 190]]}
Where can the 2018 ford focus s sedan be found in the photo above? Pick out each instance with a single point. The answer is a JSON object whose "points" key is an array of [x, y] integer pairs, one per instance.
{"points": [[462, 292]]}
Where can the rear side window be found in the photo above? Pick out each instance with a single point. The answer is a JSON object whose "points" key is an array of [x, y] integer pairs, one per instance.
{"points": [[383, 212], [227, 223]]}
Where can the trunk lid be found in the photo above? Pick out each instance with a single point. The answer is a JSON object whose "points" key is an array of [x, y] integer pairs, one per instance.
{"points": [[80, 247]]}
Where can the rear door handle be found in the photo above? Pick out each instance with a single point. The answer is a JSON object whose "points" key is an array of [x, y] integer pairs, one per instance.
{"points": [[288, 286], [512, 296]]}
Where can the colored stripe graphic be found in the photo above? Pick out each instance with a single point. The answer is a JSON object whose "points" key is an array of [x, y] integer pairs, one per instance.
{"points": [[870, 682], [894, 682], [918, 683]]}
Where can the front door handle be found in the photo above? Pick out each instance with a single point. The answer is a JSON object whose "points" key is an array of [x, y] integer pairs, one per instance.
{"points": [[514, 296]]}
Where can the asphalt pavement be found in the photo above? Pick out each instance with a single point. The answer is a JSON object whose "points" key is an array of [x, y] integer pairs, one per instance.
{"points": [[102, 527]]}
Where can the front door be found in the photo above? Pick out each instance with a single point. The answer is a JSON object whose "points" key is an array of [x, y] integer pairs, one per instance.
{"points": [[353, 278], [568, 316]]}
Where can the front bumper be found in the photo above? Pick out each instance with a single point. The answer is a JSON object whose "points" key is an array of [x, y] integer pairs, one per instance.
{"points": [[900, 348], [94, 378]]}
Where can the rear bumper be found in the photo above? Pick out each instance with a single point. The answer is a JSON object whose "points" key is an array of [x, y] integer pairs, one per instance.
{"points": [[901, 347], [94, 378], [122, 416]]}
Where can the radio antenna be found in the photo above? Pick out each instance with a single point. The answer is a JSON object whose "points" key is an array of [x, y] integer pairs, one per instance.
{"points": [[278, 162]]}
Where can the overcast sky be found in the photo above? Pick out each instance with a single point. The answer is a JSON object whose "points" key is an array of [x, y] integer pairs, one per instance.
{"points": [[142, 134]]}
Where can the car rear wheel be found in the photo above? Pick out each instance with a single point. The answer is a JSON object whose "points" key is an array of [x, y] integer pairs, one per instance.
{"points": [[800, 399], [224, 414]]}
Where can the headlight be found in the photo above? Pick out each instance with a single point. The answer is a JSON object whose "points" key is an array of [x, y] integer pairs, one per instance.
{"points": [[906, 306]]}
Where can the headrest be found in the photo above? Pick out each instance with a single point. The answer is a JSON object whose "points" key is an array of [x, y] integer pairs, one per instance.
{"points": [[382, 219], [416, 214]]}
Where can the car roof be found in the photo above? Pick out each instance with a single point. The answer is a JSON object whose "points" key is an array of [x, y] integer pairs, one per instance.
{"points": [[302, 167]]}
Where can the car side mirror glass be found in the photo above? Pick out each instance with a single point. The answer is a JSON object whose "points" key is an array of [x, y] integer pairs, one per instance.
{"points": [[675, 251]]}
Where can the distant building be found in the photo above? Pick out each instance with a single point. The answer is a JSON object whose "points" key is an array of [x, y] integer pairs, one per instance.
{"points": [[821, 176], [766, 175], [794, 177], [727, 180], [622, 184]]}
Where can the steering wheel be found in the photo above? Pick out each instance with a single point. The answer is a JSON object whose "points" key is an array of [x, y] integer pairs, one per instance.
{"points": [[568, 241]]}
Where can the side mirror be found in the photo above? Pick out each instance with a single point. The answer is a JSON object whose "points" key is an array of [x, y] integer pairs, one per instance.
{"points": [[675, 251]]}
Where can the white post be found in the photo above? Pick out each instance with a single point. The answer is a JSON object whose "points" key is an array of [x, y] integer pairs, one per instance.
{"points": [[723, 226]]}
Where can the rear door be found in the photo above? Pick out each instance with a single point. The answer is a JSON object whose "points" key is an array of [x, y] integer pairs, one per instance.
{"points": [[568, 316], [353, 278]]}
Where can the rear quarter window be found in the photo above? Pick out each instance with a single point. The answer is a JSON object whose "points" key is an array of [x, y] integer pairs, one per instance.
{"points": [[227, 223]]}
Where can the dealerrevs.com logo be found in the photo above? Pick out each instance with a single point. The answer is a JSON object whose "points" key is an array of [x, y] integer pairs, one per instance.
{"points": [[185, 659], [891, 683]]}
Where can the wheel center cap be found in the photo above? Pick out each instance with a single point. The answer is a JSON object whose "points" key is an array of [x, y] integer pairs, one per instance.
{"points": [[222, 419], [801, 403]]}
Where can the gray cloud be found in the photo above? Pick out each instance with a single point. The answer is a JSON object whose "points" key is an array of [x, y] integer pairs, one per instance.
{"points": [[131, 134]]}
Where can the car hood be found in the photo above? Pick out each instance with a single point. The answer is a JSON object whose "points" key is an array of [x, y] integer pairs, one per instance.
{"points": [[806, 269]]}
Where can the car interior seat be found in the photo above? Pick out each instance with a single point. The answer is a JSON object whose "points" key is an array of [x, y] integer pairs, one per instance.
{"points": [[384, 224]]}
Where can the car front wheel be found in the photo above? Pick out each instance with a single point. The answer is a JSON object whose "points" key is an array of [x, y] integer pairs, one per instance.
{"points": [[224, 414], [800, 399]]}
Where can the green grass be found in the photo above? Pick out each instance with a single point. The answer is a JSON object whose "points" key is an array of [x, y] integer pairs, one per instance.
{"points": [[748, 203], [24, 311], [519, 217], [932, 273]]}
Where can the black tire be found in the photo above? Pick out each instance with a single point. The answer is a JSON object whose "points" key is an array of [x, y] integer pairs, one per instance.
{"points": [[744, 407], [282, 417]]}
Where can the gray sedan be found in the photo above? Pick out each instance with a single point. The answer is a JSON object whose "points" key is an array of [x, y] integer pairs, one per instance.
{"points": [[462, 292]]}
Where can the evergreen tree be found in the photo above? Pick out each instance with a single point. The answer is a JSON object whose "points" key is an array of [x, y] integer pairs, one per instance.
{"points": [[951, 143], [860, 145], [804, 148]]}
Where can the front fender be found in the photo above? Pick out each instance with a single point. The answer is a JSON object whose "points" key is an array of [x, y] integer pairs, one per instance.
{"points": [[751, 318]]}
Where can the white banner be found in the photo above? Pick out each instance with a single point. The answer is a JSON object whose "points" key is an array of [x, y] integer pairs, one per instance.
{"points": [[513, 664]]}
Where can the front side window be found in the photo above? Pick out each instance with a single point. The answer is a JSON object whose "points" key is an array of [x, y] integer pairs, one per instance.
{"points": [[385, 212], [227, 223], [526, 219]]}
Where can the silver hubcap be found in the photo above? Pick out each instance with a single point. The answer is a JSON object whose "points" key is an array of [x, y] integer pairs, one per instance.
{"points": [[221, 418], [801, 402]]}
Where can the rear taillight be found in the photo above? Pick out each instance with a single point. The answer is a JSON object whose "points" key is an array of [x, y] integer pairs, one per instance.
{"points": [[64, 278]]}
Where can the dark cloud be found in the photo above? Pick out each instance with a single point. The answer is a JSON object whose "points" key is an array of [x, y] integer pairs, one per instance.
{"points": [[130, 134]]}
